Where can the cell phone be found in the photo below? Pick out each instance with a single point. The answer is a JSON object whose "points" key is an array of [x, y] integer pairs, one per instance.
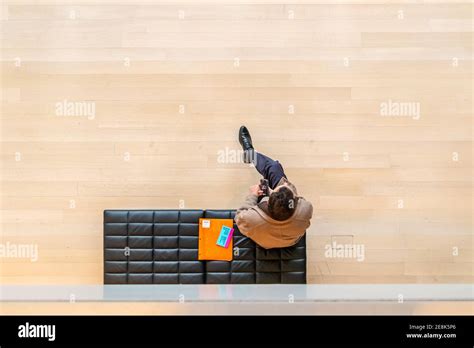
{"points": [[264, 186]]}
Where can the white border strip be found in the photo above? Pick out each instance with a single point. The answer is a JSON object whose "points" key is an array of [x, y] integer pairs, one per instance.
{"points": [[240, 293]]}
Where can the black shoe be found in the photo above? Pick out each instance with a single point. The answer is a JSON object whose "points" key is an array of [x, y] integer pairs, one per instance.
{"points": [[245, 139]]}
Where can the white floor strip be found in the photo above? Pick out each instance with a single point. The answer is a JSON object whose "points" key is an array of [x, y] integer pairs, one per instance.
{"points": [[241, 293]]}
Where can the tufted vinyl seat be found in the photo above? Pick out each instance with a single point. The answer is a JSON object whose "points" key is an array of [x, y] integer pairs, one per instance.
{"points": [[161, 247]]}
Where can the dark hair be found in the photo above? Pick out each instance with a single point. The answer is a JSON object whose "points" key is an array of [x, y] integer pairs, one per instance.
{"points": [[282, 204]]}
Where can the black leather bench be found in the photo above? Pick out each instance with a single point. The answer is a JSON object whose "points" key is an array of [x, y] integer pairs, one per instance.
{"points": [[161, 247]]}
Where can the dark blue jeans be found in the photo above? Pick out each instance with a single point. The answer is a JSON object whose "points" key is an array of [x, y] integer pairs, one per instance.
{"points": [[270, 169]]}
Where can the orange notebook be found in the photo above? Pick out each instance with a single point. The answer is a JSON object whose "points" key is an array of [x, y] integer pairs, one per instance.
{"points": [[209, 230]]}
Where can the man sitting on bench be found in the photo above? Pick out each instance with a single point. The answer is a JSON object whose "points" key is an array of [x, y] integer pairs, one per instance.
{"points": [[280, 219]]}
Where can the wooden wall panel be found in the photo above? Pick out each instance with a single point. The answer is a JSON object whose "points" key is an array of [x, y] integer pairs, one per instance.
{"points": [[171, 82]]}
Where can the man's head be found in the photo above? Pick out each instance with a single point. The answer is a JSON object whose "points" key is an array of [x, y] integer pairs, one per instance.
{"points": [[282, 203]]}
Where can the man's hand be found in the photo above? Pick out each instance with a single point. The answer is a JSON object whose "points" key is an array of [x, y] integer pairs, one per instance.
{"points": [[255, 190]]}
